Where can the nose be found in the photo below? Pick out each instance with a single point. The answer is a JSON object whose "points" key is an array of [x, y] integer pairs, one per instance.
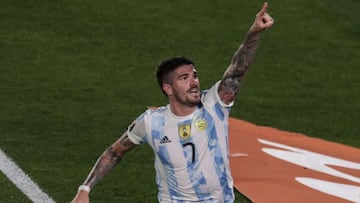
{"points": [[194, 83]]}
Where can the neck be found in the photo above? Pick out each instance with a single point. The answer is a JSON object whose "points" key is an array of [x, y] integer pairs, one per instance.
{"points": [[181, 110]]}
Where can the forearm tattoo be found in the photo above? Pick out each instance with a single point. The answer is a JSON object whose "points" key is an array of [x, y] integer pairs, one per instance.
{"points": [[108, 160], [240, 62]]}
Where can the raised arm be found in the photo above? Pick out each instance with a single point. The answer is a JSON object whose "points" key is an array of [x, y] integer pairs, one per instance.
{"points": [[106, 162], [230, 83]]}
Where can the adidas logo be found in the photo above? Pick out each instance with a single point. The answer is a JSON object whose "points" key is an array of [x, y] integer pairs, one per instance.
{"points": [[165, 139]]}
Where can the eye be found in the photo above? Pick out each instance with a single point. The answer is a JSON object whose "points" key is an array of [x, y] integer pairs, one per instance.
{"points": [[196, 76], [184, 77]]}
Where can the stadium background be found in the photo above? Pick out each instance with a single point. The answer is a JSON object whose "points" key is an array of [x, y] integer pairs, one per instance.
{"points": [[75, 73]]}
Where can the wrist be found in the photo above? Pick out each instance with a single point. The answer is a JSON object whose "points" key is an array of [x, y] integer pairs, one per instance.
{"points": [[255, 29], [84, 188]]}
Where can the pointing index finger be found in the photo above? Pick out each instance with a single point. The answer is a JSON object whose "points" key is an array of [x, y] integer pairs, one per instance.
{"points": [[264, 8]]}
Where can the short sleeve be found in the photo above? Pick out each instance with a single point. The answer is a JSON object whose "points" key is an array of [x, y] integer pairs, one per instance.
{"points": [[212, 96], [136, 131]]}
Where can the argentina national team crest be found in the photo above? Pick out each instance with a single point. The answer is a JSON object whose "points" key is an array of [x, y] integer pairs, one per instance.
{"points": [[201, 124], [184, 131]]}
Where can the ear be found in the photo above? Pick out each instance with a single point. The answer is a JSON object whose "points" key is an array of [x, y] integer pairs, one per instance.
{"points": [[167, 89]]}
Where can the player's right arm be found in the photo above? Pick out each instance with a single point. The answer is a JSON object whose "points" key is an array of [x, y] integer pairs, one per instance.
{"points": [[243, 57], [106, 162]]}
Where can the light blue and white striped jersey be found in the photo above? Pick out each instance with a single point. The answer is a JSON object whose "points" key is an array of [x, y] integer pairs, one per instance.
{"points": [[191, 152]]}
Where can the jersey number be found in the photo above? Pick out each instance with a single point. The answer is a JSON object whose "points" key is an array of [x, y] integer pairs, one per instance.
{"points": [[192, 146]]}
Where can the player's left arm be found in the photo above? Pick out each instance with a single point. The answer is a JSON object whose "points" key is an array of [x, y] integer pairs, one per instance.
{"points": [[230, 83]]}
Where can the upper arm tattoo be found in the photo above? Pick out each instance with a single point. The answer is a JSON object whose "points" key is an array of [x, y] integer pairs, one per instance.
{"points": [[109, 159], [230, 83]]}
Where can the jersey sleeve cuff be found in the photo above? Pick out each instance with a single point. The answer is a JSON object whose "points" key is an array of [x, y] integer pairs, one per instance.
{"points": [[135, 139], [217, 96]]}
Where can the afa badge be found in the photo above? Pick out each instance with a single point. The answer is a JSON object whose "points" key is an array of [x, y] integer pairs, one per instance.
{"points": [[201, 124], [185, 131]]}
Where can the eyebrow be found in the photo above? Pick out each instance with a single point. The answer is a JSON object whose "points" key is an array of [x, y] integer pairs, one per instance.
{"points": [[186, 74]]}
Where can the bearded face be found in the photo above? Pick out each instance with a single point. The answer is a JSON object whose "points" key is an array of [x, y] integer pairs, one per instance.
{"points": [[185, 86]]}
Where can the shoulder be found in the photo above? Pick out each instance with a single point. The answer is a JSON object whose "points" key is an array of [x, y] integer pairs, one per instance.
{"points": [[155, 110], [154, 113]]}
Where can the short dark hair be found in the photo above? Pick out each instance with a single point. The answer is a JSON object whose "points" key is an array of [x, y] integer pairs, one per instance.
{"points": [[166, 67]]}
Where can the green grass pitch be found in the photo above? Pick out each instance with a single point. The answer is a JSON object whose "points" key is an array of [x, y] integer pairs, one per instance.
{"points": [[74, 74]]}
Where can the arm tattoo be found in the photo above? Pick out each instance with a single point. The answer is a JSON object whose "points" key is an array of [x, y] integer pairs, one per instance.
{"points": [[230, 83], [109, 159]]}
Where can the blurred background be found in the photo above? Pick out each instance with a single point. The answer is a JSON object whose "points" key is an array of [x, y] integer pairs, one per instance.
{"points": [[74, 74]]}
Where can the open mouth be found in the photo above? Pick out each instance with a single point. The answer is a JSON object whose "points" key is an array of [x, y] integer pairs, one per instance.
{"points": [[194, 91]]}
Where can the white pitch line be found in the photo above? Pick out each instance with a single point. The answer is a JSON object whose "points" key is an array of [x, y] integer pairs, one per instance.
{"points": [[22, 181], [238, 155]]}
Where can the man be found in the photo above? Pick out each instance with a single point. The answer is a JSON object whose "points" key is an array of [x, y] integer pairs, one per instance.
{"points": [[190, 135]]}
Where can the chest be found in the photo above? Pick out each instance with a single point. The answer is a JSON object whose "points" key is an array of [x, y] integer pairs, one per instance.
{"points": [[187, 143]]}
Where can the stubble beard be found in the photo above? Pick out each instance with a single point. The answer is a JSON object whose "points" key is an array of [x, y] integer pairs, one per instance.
{"points": [[187, 101]]}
